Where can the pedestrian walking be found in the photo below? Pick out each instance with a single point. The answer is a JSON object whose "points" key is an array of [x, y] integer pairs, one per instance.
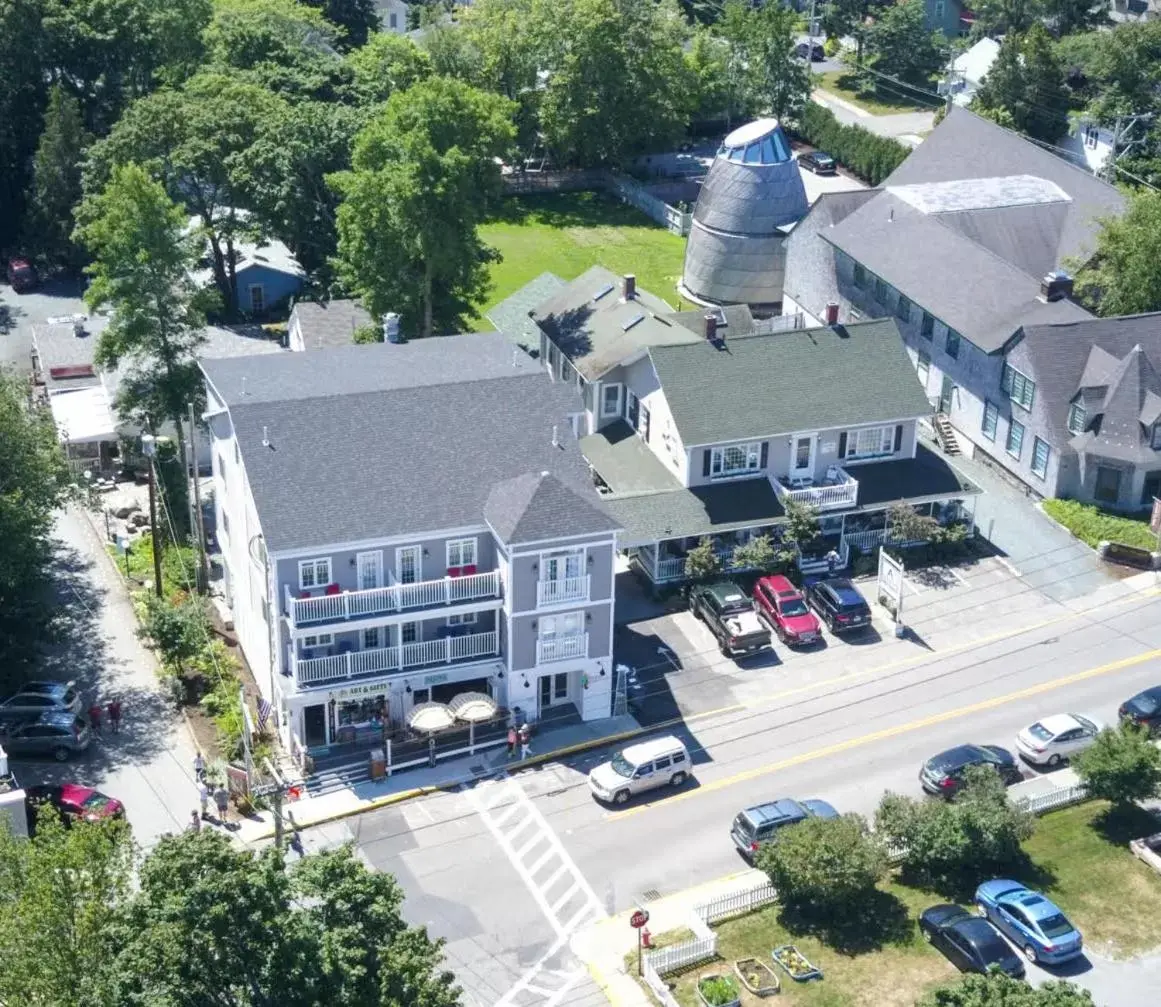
{"points": [[511, 741], [525, 739], [204, 798], [199, 767], [195, 822], [114, 712], [222, 800], [95, 717]]}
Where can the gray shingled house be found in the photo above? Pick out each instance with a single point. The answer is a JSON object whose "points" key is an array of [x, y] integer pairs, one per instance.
{"points": [[965, 243], [409, 522], [317, 325]]}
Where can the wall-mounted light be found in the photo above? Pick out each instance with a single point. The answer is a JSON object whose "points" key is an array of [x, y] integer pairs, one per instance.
{"points": [[500, 675], [525, 681], [352, 561], [588, 617], [426, 553], [407, 687], [535, 567], [601, 669], [533, 624], [590, 559]]}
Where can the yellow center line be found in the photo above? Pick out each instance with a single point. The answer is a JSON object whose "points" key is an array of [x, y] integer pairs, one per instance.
{"points": [[889, 732]]}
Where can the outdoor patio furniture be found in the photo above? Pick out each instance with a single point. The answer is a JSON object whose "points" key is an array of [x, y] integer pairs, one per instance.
{"points": [[333, 589]]}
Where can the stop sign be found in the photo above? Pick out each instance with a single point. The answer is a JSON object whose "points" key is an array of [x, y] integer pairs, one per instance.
{"points": [[639, 919]]}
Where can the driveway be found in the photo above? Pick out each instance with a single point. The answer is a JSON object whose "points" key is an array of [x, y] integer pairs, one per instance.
{"points": [[20, 312], [909, 127]]}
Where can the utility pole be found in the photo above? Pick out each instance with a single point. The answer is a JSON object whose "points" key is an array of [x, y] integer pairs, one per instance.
{"points": [[1119, 147], [149, 449], [199, 519], [948, 82]]}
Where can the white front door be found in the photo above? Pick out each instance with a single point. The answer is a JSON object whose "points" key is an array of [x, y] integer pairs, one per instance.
{"points": [[408, 562], [802, 457], [370, 570]]}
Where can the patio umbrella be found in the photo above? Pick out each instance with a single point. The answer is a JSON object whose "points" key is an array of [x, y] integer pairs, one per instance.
{"points": [[430, 717], [473, 707]]}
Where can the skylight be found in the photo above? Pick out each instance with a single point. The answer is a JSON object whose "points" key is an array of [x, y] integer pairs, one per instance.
{"points": [[632, 321], [603, 291]]}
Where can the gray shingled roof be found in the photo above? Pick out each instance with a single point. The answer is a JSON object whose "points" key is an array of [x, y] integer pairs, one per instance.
{"points": [[511, 315], [330, 323], [800, 380], [535, 507], [623, 461], [598, 333]]}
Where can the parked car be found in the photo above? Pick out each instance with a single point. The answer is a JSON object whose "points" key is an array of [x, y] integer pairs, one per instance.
{"points": [[1030, 921], [839, 604], [816, 52], [781, 604], [818, 161], [57, 733], [39, 697], [73, 802], [971, 944], [942, 774], [1143, 709], [760, 824], [21, 275], [1050, 741], [730, 616], [660, 762]]}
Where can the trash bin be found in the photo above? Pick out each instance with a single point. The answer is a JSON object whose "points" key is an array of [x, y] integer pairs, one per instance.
{"points": [[378, 764]]}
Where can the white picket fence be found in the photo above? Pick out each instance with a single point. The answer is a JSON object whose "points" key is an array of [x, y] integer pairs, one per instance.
{"points": [[1061, 797]]}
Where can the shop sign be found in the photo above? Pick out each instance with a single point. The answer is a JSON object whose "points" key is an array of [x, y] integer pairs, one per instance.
{"points": [[372, 689], [437, 679]]}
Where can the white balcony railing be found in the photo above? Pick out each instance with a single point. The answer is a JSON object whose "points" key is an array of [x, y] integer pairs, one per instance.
{"points": [[308, 671], [563, 589], [839, 492], [562, 648], [344, 605]]}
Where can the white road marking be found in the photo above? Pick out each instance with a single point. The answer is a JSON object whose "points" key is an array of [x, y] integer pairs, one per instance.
{"points": [[1008, 566], [958, 576]]}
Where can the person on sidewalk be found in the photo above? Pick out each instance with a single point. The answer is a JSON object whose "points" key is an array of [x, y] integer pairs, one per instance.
{"points": [[195, 822], [95, 717], [199, 767], [114, 711], [525, 741], [222, 800], [511, 741], [204, 798]]}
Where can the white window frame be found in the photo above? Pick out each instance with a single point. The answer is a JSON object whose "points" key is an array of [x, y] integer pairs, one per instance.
{"points": [[375, 555], [1012, 425], [952, 343], [409, 629], [463, 548], [314, 566], [402, 551], [752, 460], [561, 559], [261, 288], [884, 437], [940, 9], [992, 410], [609, 413], [371, 633], [464, 619], [318, 640], [923, 366], [1091, 136], [550, 627], [1077, 411], [1037, 444], [1018, 386]]}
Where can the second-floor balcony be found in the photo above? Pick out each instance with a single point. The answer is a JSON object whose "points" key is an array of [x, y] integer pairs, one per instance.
{"points": [[400, 658], [562, 648], [561, 590], [331, 604], [837, 490]]}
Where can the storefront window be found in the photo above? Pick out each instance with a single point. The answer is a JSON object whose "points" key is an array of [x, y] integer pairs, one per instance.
{"points": [[362, 711]]}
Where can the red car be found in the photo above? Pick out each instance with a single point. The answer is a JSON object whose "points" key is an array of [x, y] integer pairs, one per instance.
{"points": [[21, 275], [75, 802], [783, 606]]}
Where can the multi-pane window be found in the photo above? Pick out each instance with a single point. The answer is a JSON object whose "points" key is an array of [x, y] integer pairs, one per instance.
{"points": [[467, 619], [737, 459], [1077, 418], [923, 366], [903, 309], [882, 291], [1015, 439], [371, 638], [314, 573], [461, 552], [870, 442], [860, 277], [953, 344], [320, 640], [1040, 453], [565, 624], [927, 326], [610, 400], [1020, 388], [1157, 436], [409, 632], [991, 418]]}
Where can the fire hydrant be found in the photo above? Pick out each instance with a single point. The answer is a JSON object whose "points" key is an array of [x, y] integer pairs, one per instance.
{"points": [[646, 938]]}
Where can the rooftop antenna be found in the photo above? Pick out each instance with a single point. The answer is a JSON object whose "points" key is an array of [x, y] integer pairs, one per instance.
{"points": [[266, 437]]}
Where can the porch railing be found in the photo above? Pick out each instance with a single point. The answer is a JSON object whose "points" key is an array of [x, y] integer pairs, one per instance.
{"points": [[865, 541], [401, 657], [562, 589], [828, 496], [562, 648], [673, 567], [345, 605]]}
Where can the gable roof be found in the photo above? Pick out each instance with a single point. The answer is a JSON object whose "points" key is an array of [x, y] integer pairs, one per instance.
{"points": [[329, 323], [512, 316], [761, 385], [535, 507]]}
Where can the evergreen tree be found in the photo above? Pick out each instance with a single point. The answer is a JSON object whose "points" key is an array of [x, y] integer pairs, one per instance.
{"points": [[56, 188], [1027, 82]]}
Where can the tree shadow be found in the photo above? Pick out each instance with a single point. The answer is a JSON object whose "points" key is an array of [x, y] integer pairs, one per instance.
{"points": [[1119, 825], [565, 209], [878, 919], [961, 885]]}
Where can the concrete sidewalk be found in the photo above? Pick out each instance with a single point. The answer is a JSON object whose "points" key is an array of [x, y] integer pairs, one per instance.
{"points": [[547, 746]]}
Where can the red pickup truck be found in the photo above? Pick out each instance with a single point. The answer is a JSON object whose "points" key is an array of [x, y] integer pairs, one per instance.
{"points": [[781, 604]]}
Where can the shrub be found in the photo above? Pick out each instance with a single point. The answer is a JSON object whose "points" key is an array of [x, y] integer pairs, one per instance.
{"points": [[867, 155], [1122, 766], [718, 990], [1092, 525], [702, 561], [178, 629]]}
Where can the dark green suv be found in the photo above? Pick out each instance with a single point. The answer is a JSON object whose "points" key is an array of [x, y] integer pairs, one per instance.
{"points": [[729, 613]]}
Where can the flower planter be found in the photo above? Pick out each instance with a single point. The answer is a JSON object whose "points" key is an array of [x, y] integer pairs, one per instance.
{"points": [[795, 963], [757, 976], [716, 990]]}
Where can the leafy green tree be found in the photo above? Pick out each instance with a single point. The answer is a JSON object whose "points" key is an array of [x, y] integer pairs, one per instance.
{"points": [[56, 180], [702, 560], [142, 257], [1121, 67], [1000, 16], [386, 64], [902, 45], [424, 175], [772, 80], [177, 627], [34, 481], [708, 59], [1068, 16], [57, 890], [1027, 82], [1123, 277], [841, 18], [952, 844], [358, 19], [905, 525], [21, 101], [1122, 766], [802, 526], [757, 554], [824, 867], [999, 990]]}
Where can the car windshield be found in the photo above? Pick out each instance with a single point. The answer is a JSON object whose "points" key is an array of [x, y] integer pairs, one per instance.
{"points": [[795, 607], [622, 766], [1055, 926], [1146, 702], [95, 802], [732, 603], [1040, 732]]}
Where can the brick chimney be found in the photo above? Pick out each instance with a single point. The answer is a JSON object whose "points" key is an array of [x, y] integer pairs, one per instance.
{"points": [[1056, 286], [711, 327], [832, 310], [629, 287]]}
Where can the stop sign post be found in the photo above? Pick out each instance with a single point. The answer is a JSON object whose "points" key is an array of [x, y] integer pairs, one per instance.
{"points": [[637, 921]]}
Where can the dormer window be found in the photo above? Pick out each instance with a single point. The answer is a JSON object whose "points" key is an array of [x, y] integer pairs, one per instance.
{"points": [[1077, 417], [1157, 436]]}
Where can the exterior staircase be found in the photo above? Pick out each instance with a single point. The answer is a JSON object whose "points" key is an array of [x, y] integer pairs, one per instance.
{"points": [[945, 435]]}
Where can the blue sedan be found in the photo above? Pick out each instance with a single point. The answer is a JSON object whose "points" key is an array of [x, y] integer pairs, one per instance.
{"points": [[1030, 921]]}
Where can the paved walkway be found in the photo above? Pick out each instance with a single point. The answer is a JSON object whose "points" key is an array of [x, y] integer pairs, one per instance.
{"points": [[909, 127]]}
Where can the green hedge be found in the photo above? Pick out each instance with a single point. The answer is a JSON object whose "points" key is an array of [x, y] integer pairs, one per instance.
{"points": [[868, 155]]}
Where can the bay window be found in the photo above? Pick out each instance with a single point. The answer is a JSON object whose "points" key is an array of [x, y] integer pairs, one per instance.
{"points": [[870, 442]]}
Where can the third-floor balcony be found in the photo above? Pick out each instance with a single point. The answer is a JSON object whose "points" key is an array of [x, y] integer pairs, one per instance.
{"points": [[332, 604], [562, 648], [561, 590], [837, 490]]}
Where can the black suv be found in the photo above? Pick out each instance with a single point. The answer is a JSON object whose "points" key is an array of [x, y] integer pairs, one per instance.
{"points": [[839, 604], [729, 613], [942, 774], [1144, 709], [760, 824]]}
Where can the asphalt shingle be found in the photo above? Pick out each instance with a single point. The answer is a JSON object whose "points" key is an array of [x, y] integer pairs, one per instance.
{"points": [[328, 323], [536, 507]]}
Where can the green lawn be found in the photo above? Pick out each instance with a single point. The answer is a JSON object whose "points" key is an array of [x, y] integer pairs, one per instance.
{"points": [[843, 84], [1092, 525], [566, 233], [1078, 858]]}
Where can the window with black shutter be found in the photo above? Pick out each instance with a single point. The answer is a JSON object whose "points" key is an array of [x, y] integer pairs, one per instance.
{"points": [[843, 444], [898, 436], [705, 463], [765, 454]]}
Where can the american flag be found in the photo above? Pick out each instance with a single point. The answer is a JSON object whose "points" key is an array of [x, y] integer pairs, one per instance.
{"points": [[264, 711]]}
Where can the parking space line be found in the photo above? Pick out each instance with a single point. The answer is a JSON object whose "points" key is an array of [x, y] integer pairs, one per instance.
{"points": [[957, 575]]}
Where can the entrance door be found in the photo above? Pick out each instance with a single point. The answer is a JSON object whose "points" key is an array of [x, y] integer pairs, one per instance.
{"points": [[407, 564], [802, 458], [1108, 484], [370, 570], [562, 566], [946, 392], [314, 726], [545, 691]]}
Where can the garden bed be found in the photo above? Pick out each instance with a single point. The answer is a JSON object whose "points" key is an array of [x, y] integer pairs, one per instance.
{"points": [[1092, 525], [757, 977]]}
